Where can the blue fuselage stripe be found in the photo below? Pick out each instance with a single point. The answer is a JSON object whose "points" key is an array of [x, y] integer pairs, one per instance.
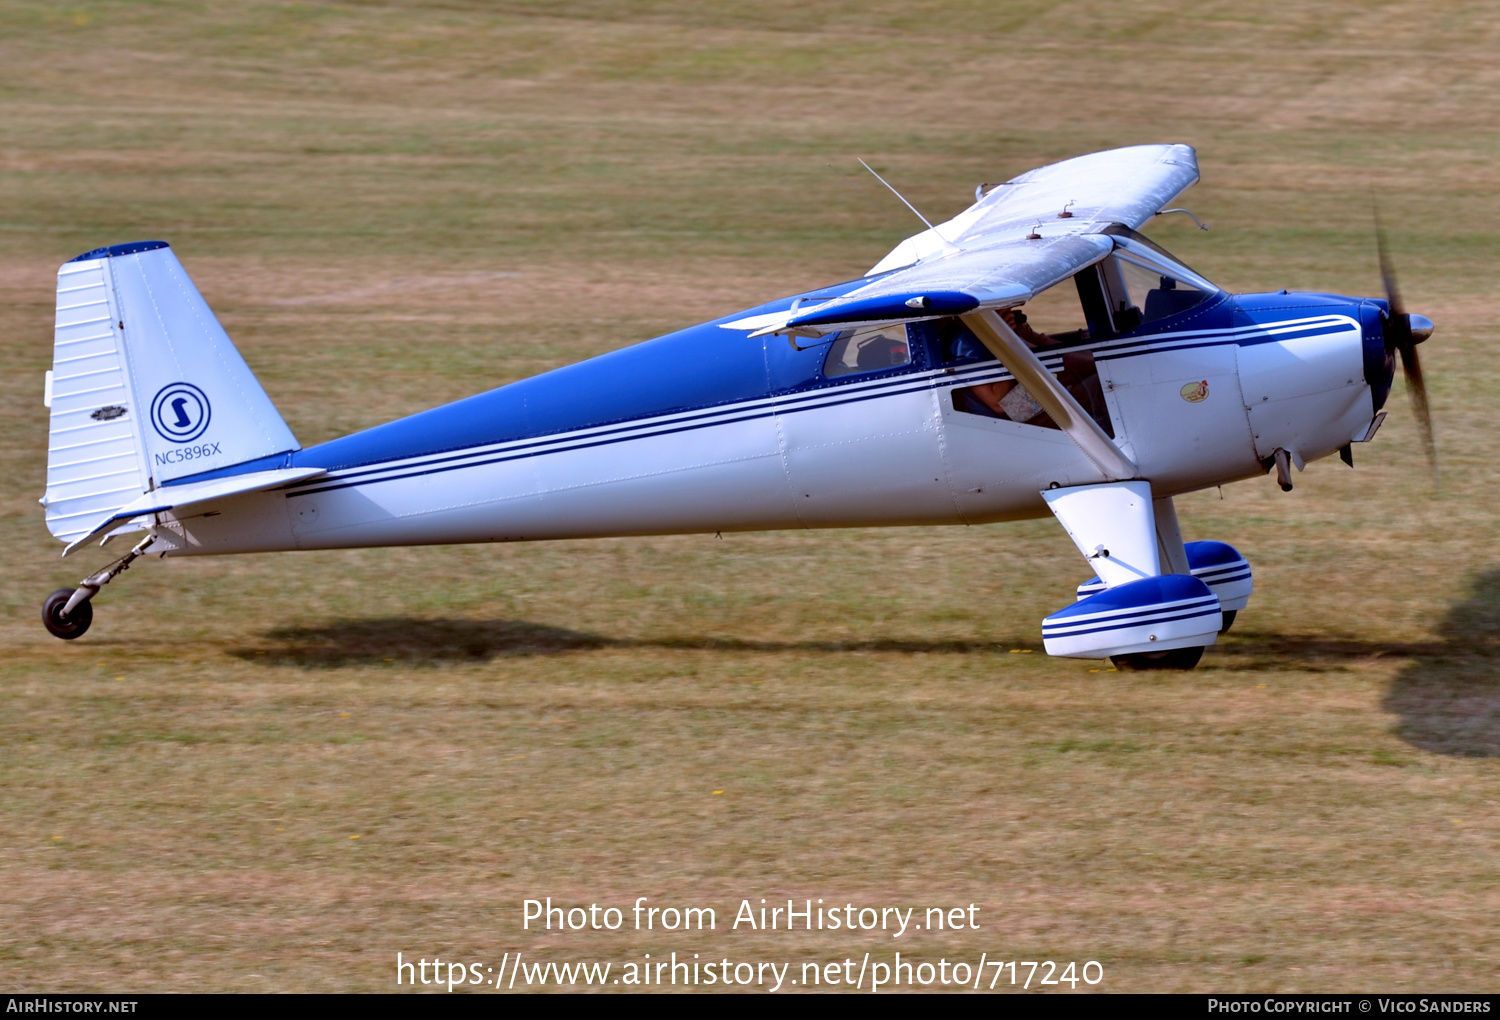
{"points": [[608, 439], [1250, 338], [1252, 333], [686, 420]]}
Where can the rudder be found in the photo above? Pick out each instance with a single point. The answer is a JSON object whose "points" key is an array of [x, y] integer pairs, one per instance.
{"points": [[145, 387]]}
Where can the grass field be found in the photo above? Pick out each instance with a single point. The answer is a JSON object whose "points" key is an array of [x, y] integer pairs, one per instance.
{"points": [[275, 773]]}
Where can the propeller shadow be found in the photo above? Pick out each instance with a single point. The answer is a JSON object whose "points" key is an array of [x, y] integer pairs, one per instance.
{"points": [[426, 642], [1448, 695], [1449, 699]]}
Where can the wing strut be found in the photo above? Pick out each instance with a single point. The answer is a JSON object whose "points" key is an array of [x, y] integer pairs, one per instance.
{"points": [[1029, 371]]}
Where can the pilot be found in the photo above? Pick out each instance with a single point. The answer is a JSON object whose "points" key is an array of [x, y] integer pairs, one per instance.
{"points": [[1004, 399], [1021, 326]]}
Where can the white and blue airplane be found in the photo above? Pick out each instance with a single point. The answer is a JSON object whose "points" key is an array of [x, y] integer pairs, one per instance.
{"points": [[920, 394]]}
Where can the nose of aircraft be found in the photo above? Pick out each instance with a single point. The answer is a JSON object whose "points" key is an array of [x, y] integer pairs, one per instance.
{"points": [[1403, 331]]}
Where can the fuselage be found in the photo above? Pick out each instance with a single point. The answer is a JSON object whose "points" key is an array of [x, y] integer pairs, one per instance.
{"points": [[709, 429]]}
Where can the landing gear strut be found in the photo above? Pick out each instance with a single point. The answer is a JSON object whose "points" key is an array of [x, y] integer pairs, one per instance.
{"points": [[68, 612]]}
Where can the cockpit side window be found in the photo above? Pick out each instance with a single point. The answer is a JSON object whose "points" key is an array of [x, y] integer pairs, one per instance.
{"points": [[956, 345], [1054, 318], [1005, 398], [1057, 314], [867, 350]]}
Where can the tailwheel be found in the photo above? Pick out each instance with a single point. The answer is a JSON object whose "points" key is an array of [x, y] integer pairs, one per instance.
{"points": [[74, 624], [1172, 658], [68, 612], [1229, 615]]}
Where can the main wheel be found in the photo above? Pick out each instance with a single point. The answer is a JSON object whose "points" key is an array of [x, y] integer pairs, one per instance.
{"points": [[1229, 615], [66, 627], [1175, 658]]}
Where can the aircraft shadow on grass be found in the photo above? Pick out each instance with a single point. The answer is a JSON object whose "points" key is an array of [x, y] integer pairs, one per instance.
{"points": [[422, 642], [1447, 697]]}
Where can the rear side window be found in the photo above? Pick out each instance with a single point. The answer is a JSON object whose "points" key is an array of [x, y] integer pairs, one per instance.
{"points": [[867, 350], [955, 344]]}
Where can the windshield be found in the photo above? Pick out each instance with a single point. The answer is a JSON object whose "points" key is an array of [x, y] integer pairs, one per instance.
{"points": [[1145, 282], [1135, 240], [1154, 294]]}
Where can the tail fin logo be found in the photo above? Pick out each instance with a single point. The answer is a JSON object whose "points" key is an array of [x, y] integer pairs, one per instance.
{"points": [[180, 412]]}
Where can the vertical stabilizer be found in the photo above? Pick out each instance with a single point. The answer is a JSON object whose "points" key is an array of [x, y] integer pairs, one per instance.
{"points": [[146, 387]]}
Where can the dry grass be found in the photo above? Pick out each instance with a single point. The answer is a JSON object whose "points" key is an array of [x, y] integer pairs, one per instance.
{"points": [[396, 204]]}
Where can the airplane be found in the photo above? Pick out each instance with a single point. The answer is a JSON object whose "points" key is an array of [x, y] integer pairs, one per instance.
{"points": [[1035, 354]]}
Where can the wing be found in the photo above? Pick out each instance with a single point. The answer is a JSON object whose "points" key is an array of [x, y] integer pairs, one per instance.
{"points": [[1005, 272], [1016, 241], [1127, 186]]}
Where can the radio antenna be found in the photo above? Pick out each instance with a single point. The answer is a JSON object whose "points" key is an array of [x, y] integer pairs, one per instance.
{"points": [[898, 194], [948, 247]]}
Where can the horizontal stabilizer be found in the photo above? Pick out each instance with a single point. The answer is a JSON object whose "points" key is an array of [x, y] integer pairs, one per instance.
{"points": [[176, 497]]}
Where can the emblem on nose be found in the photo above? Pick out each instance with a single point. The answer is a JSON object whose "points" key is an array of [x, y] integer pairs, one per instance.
{"points": [[180, 412], [1194, 391]]}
